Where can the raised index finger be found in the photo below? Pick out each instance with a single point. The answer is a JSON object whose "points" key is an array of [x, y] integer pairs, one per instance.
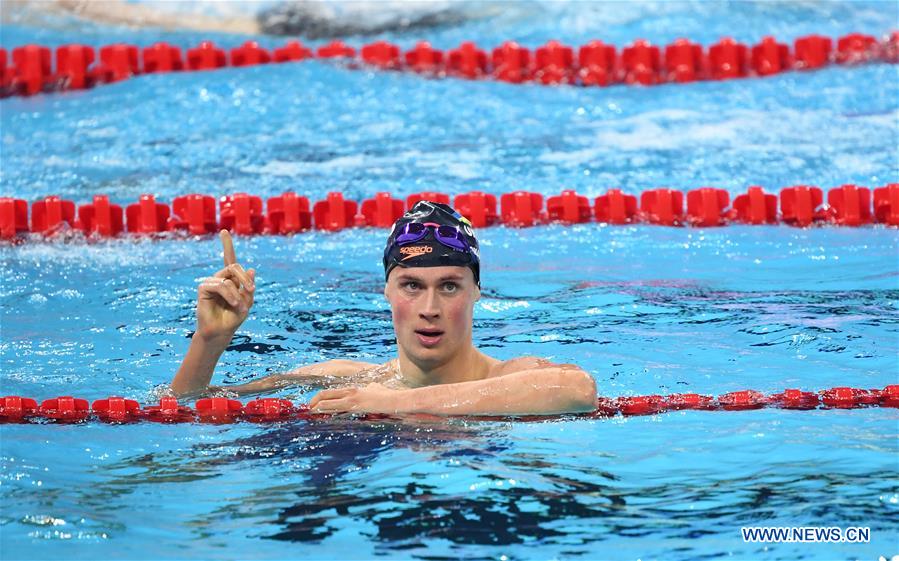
{"points": [[228, 248]]}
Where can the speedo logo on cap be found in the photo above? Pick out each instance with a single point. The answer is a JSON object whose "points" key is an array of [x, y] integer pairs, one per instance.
{"points": [[414, 251]]}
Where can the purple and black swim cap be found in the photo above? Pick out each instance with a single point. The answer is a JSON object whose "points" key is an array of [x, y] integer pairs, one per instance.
{"points": [[432, 235]]}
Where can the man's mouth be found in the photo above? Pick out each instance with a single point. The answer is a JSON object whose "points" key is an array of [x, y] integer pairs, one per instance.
{"points": [[429, 337]]}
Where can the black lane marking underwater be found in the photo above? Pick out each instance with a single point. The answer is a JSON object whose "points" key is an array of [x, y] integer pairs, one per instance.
{"points": [[566, 510], [417, 511], [405, 513], [247, 345]]}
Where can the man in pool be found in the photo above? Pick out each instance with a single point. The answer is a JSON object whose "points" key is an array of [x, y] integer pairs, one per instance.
{"points": [[432, 271]]}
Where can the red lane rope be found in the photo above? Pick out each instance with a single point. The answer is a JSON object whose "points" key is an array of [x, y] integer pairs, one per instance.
{"points": [[195, 214], [30, 70], [67, 409]]}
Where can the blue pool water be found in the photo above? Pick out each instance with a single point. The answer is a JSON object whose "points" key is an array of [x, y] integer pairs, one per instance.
{"points": [[643, 309]]}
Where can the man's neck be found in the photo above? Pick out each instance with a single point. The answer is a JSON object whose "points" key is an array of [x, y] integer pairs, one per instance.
{"points": [[464, 367]]}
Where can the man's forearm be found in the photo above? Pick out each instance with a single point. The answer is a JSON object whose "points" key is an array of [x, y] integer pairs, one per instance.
{"points": [[198, 365], [530, 392]]}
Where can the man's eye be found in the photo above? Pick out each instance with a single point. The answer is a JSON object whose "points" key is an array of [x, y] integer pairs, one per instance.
{"points": [[450, 286], [411, 285]]}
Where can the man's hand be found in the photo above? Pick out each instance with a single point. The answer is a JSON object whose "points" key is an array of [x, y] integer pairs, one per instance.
{"points": [[373, 398], [224, 299]]}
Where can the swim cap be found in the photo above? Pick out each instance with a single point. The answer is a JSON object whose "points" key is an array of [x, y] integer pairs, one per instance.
{"points": [[437, 245]]}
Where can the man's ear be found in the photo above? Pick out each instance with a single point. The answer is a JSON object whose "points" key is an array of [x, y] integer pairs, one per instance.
{"points": [[385, 292]]}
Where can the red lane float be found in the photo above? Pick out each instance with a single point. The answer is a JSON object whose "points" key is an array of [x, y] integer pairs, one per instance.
{"points": [[382, 54], [293, 51], [466, 61], [219, 410], [65, 409], [382, 211], [116, 410], [335, 49], [147, 216], [334, 213], [288, 214], [662, 206], [162, 57], [269, 410], [812, 52], [206, 56], [244, 214], [795, 399], [478, 207], [640, 405], [850, 205], [425, 59], [679, 401], [250, 54], [596, 63], [169, 411], [615, 208], [72, 67], [241, 214], [16, 409], [770, 57], [641, 64], [684, 61], [754, 207], [800, 205], [727, 60], [857, 48], [706, 207], [554, 64], [742, 400], [511, 63], [119, 62], [521, 209], [886, 204], [101, 217], [31, 69], [194, 213], [51, 214], [569, 208], [13, 217]]}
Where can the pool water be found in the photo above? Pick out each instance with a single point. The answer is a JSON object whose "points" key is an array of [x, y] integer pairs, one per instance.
{"points": [[644, 309]]}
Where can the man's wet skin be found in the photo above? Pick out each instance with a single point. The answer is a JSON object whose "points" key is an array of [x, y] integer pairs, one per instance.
{"points": [[437, 370]]}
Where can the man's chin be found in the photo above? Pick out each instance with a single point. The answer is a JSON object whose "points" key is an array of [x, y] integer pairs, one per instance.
{"points": [[426, 358]]}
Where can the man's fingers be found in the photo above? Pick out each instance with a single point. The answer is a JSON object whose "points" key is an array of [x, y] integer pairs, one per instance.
{"points": [[242, 276], [331, 405], [335, 393], [251, 293], [238, 276], [227, 248], [224, 288]]}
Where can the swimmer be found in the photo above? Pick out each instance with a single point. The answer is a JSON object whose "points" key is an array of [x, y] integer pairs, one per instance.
{"points": [[432, 281]]}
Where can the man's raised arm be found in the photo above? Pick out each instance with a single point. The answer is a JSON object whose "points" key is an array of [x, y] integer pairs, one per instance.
{"points": [[223, 303]]}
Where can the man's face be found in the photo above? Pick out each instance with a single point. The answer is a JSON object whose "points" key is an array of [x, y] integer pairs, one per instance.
{"points": [[432, 311]]}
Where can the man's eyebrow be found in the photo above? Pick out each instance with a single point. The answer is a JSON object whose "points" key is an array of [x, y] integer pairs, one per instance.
{"points": [[408, 276], [412, 277]]}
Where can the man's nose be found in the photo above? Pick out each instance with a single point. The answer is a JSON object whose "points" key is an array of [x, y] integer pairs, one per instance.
{"points": [[430, 306]]}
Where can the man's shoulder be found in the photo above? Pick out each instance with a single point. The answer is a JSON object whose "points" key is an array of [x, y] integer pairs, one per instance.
{"points": [[519, 364], [336, 367]]}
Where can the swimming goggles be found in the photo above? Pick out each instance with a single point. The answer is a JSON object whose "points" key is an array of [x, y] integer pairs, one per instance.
{"points": [[449, 236]]}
